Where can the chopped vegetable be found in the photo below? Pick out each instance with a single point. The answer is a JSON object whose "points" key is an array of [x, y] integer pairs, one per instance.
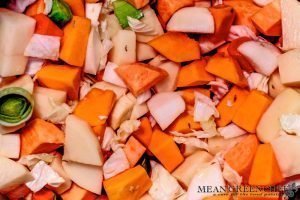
{"points": [[10, 145], [144, 133], [77, 7], [44, 194], [45, 26], [37, 7], [134, 150], [184, 124], [138, 3], [60, 13]]}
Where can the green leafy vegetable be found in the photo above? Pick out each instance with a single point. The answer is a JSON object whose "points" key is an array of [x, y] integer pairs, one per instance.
{"points": [[123, 10], [16, 106], [60, 12]]}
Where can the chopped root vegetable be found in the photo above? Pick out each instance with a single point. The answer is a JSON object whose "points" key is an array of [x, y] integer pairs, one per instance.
{"points": [[144, 133], [184, 124], [45, 26], [134, 151], [37, 7], [77, 7]]}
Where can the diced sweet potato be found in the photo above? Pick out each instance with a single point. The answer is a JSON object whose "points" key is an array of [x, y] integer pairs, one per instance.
{"points": [[45, 26], [174, 46], [226, 68], [40, 136], [184, 124], [96, 106], [61, 77], [134, 150], [140, 77], [144, 133], [249, 113], [194, 74], [77, 7], [188, 95]]}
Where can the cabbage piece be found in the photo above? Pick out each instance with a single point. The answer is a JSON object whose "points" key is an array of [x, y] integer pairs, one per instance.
{"points": [[31, 160], [194, 142], [231, 176], [258, 81], [60, 12]]}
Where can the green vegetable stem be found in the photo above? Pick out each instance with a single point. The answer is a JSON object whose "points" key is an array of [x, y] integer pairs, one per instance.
{"points": [[60, 12]]}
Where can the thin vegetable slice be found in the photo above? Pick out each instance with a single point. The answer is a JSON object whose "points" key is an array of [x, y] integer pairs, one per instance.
{"points": [[16, 106], [60, 13]]}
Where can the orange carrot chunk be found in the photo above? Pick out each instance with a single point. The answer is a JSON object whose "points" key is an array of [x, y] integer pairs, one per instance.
{"points": [[174, 46], [35, 8], [74, 45], [188, 95], [251, 110], [45, 26], [44, 194], [265, 170], [194, 74], [241, 156], [184, 124], [134, 150], [144, 133], [77, 7], [40, 136]]}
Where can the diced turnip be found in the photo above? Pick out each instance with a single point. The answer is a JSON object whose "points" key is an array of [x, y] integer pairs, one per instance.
{"points": [[192, 20], [111, 76], [145, 52], [119, 91], [124, 50], [10, 145], [262, 55], [203, 3], [15, 32], [166, 107]]}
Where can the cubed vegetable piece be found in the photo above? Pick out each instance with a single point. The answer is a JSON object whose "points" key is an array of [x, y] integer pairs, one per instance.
{"points": [[218, 144], [250, 111], [131, 184], [268, 19], [184, 124], [194, 74], [61, 77], [44, 194], [275, 85], [188, 95], [240, 157], [174, 46], [96, 106], [45, 26], [37, 7], [10, 145], [77, 7], [165, 150], [75, 192], [229, 105], [226, 68], [140, 77], [76, 34], [138, 3], [144, 133], [40, 136], [134, 150], [265, 170], [60, 12]]}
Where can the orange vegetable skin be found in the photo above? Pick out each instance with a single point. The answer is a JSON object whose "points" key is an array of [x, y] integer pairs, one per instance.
{"points": [[224, 17], [45, 26], [174, 46], [230, 104], [165, 150], [77, 7], [194, 74], [40, 136], [244, 11], [76, 192], [226, 68], [140, 77], [95, 104], [265, 170], [249, 113], [61, 77], [144, 133], [188, 95], [166, 8], [134, 150], [129, 185], [35, 8], [74, 43], [138, 3], [268, 19], [232, 50], [184, 124], [241, 156], [44, 194]]}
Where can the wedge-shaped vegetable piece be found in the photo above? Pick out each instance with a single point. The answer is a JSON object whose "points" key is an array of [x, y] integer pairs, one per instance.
{"points": [[77, 7], [13, 174], [144, 133], [131, 184], [37, 7], [166, 8], [288, 102], [188, 95], [275, 84], [191, 165], [218, 144], [86, 176], [16, 31], [124, 49], [289, 68], [166, 107], [268, 19], [10, 145], [194, 74], [60, 12], [119, 91], [96, 106], [45, 26], [173, 46], [224, 17], [165, 150], [81, 144], [286, 150], [140, 77], [111, 76], [241, 156], [184, 124], [76, 34], [230, 104], [76, 192], [251, 110], [265, 170], [61, 77], [134, 150], [138, 3], [144, 52], [290, 12], [139, 110], [244, 11], [192, 20], [226, 68], [40, 136]]}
